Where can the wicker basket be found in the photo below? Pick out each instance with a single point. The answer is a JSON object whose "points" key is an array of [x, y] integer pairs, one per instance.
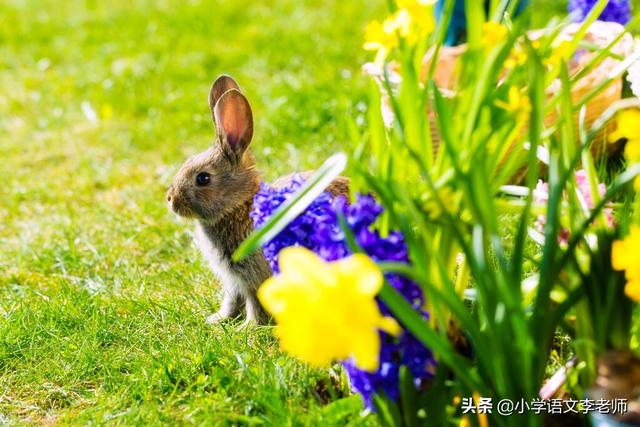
{"points": [[599, 33]]}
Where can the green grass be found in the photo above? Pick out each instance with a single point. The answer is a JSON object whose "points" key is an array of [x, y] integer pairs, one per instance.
{"points": [[102, 294]]}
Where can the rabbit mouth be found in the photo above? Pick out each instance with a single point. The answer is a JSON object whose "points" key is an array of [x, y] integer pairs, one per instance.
{"points": [[180, 209]]}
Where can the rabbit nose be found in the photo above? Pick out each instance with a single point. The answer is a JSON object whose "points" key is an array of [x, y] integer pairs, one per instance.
{"points": [[169, 194]]}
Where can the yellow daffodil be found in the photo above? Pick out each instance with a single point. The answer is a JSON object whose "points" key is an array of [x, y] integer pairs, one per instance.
{"points": [[378, 39], [415, 6], [450, 200], [413, 20], [516, 57], [625, 256], [399, 22], [517, 103], [383, 37], [327, 311], [493, 33], [559, 53], [422, 16], [628, 126]]}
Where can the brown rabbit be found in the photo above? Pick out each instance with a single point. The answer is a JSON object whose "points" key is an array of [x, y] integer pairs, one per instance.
{"points": [[216, 189]]}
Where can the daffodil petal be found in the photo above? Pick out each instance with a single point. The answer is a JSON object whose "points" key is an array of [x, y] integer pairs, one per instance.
{"points": [[298, 262], [366, 274], [632, 289], [366, 349], [618, 254], [276, 294], [327, 311], [390, 326]]}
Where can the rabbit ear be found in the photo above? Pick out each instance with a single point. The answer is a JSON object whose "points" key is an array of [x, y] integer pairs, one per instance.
{"points": [[222, 84], [234, 122]]}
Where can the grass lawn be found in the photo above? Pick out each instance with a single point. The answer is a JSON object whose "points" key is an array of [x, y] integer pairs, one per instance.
{"points": [[102, 293]]}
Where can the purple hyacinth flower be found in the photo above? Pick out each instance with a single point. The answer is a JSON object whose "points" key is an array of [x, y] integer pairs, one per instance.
{"points": [[318, 229], [615, 11]]}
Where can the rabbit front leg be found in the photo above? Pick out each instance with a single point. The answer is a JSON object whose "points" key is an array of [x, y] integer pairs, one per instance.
{"points": [[255, 312], [230, 307], [252, 272]]}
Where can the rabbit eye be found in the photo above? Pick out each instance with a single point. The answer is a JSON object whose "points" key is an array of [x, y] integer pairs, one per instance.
{"points": [[203, 178]]}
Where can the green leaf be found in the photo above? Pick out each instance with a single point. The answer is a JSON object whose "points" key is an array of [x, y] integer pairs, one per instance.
{"points": [[350, 239], [618, 184], [338, 411], [537, 99], [438, 396], [411, 320], [443, 27], [408, 397], [290, 210], [388, 411]]}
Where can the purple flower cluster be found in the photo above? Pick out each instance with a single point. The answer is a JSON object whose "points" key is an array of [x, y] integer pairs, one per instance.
{"points": [[616, 10], [318, 229], [315, 229]]}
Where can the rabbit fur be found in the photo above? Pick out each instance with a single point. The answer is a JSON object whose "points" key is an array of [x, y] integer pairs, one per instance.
{"points": [[216, 188]]}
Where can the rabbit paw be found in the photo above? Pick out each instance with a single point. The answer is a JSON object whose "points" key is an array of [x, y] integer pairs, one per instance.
{"points": [[217, 317], [255, 313], [247, 324], [230, 307]]}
